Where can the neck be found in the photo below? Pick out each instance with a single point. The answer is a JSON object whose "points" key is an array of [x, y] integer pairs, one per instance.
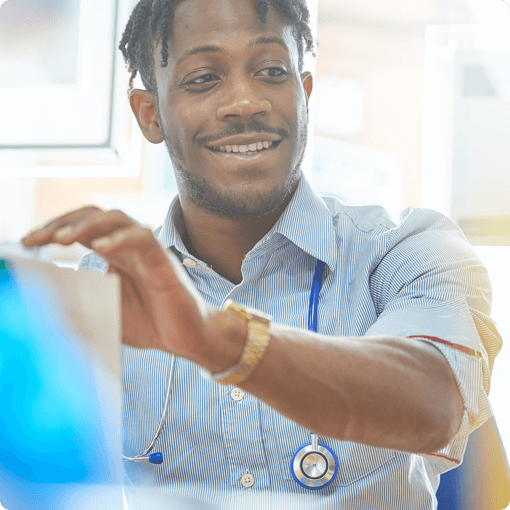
{"points": [[220, 242]]}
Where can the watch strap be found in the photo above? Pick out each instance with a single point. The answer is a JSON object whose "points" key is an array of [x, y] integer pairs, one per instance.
{"points": [[256, 344]]}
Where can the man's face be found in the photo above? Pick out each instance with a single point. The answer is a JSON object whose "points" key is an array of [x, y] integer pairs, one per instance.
{"points": [[232, 107]]}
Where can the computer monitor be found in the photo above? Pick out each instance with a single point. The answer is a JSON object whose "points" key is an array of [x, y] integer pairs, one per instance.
{"points": [[60, 399]]}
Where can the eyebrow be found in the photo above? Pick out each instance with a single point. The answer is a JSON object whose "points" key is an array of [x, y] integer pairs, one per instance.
{"points": [[260, 41], [269, 40], [199, 49]]}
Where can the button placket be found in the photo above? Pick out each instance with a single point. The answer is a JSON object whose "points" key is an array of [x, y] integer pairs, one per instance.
{"points": [[241, 425], [237, 394], [247, 480]]}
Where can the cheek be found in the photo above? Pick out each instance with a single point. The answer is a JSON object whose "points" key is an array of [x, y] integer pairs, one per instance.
{"points": [[295, 107], [303, 119], [301, 114], [301, 129], [176, 125], [189, 119]]}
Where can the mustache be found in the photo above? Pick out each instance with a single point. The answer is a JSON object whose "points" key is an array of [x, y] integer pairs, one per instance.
{"points": [[238, 128]]}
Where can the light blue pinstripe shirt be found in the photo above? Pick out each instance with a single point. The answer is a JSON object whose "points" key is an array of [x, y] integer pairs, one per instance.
{"points": [[418, 278]]}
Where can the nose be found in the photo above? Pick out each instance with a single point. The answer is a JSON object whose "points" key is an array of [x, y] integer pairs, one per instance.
{"points": [[243, 100]]}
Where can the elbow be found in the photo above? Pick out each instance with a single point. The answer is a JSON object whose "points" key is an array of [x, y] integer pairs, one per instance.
{"points": [[444, 433], [447, 422]]}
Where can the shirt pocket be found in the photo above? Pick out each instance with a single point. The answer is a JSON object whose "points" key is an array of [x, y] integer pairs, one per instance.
{"points": [[355, 460]]}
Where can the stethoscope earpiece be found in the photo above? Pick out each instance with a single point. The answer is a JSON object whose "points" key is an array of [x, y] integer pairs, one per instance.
{"points": [[153, 458], [156, 458], [314, 465]]}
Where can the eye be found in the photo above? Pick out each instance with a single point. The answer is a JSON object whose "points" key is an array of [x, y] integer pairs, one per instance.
{"points": [[202, 83], [206, 78], [276, 71], [273, 74]]}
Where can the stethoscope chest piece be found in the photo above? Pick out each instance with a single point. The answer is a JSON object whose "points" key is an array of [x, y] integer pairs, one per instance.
{"points": [[314, 465]]}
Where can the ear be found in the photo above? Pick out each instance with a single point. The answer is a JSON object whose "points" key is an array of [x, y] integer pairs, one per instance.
{"points": [[144, 106], [307, 81]]}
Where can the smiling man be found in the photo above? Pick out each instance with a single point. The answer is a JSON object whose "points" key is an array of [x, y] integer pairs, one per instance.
{"points": [[364, 360], [231, 107]]}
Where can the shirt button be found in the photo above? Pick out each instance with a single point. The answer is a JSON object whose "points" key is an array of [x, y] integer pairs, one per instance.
{"points": [[247, 480], [189, 262], [237, 394]]}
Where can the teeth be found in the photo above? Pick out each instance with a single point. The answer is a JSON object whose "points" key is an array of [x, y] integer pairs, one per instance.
{"points": [[249, 150]]}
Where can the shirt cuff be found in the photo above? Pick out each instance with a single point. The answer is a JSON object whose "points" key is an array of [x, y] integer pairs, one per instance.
{"points": [[471, 371]]}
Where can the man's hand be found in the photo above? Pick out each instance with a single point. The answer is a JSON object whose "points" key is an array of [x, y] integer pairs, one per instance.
{"points": [[160, 306]]}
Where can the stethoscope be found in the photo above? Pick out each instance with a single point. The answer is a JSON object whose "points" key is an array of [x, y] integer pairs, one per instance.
{"points": [[313, 465]]}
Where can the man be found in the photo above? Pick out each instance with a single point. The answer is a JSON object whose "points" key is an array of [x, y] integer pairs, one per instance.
{"points": [[398, 372]]}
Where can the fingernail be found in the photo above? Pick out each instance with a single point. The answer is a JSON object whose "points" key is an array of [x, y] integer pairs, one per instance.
{"points": [[33, 233], [30, 237], [63, 232]]}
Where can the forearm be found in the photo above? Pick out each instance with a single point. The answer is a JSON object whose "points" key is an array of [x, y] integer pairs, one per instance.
{"points": [[382, 391]]}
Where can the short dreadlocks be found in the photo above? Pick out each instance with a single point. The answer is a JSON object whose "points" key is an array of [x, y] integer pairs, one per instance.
{"points": [[150, 22]]}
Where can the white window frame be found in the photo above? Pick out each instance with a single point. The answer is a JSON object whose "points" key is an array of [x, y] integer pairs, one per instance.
{"points": [[121, 159]]}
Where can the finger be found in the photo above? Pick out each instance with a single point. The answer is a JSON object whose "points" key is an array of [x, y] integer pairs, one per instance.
{"points": [[128, 302], [136, 251], [44, 235], [137, 248], [137, 329], [134, 241], [96, 226]]}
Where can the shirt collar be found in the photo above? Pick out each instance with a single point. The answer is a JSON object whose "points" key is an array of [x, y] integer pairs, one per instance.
{"points": [[306, 222], [169, 235]]}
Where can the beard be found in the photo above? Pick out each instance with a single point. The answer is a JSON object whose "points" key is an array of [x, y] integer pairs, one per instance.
{"points": [[230, 204]]}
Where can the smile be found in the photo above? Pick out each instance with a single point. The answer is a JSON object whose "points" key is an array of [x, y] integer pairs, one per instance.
{"points": [[246, 150]]}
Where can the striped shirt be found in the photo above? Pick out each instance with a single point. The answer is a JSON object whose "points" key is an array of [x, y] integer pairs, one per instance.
{"points": [[417, 279]]}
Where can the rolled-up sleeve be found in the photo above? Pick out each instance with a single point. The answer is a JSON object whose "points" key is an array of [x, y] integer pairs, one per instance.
{"points": [[430, 286]]}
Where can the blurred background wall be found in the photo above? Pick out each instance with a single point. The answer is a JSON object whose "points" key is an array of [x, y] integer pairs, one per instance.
{"points": [[411, 107]]}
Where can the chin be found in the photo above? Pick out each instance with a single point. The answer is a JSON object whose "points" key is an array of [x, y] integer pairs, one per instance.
{"points": [[248, 202]]}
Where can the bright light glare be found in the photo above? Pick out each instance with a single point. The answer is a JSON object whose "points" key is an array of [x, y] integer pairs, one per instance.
{"points": [[494, 16], [495, 259], [339, 106], [491, 12]]}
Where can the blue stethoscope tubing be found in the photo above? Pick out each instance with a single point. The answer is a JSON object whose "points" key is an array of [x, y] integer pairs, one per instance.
{"points": [[306, 449], [312, 447], [314, 296], [157, 457]]}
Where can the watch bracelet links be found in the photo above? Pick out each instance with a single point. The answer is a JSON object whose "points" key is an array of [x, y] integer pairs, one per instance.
{"points": [[256, 344]]}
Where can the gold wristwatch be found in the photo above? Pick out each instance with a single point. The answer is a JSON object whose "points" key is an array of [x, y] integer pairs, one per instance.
{"points": [[256, 344]]}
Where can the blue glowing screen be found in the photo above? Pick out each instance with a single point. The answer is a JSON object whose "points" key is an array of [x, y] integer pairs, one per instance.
{"points": [[50, 420]]}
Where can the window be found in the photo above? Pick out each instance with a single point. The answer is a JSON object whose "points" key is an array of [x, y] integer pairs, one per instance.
{"points": [[57, 62], [65, 85]]}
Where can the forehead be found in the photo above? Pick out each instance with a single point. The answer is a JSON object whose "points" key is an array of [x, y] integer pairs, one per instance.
{"points": [[223, 22]]}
